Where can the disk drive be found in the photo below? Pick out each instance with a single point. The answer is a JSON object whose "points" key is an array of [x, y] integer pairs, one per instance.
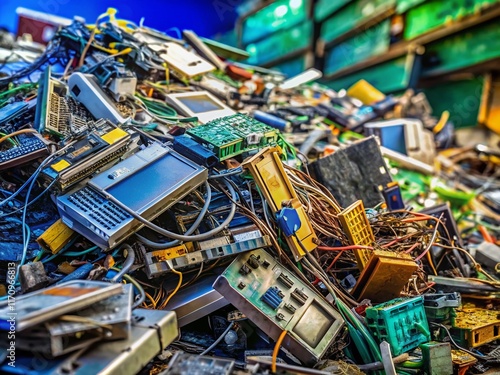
{"points": [[148, 182]]}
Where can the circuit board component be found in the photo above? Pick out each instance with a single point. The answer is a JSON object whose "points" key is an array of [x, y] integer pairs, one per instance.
{"points": [[233, 135], [276, 300]]}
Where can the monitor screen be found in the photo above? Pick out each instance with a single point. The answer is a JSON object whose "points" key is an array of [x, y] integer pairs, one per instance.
{"points": [[200, 103], [151, 182], [313, 325]]}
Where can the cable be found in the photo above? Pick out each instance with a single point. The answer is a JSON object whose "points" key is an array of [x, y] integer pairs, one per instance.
{"points": [[191, 229], [32, 201], [458, 346], [170, 234], [37, 171], [129, 262], [13, 134], [219, 339], [402, 358], [431, 241], [163, 305], [276, 350], [343, 248], [138, 286], [229, 172], [26, 230]]}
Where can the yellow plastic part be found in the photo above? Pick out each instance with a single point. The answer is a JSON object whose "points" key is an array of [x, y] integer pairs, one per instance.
{"points": [[60, 165], [365, 92], [461, 358], [270, 176], [56, 237], [170, 253], [384, 277], [114, 136], [358, 230], [479, 326]]}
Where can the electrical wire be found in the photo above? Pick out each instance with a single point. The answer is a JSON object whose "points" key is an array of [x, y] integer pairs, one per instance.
{"points": [[173, 235], [32, 201], [140, 289], [191, 229], [219, 339], [276, 350], [129, 262], [484, 357], [179, 284], [229, 172]]}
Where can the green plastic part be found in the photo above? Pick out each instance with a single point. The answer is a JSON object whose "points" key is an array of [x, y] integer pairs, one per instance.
{"points": [[437, 358], [401, 322], [456, 198]]}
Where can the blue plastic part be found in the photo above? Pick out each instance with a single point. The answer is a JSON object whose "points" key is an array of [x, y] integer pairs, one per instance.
{"points": [[393, 198], [191, 149], [288, 221], [79, 274], [272, 297], [271, 120]]}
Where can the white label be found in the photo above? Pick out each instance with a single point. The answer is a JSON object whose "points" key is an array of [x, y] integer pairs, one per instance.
{"points": [[210, 244], [252, 235]]}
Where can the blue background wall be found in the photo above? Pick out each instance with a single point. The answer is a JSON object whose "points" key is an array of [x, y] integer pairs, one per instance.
{"points": [[205, 17]]}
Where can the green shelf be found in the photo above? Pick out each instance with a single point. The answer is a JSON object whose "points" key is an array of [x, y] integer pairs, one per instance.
{"points": [[353, 14], [470, 47], [400, 70], [436, 13], [372, 42], [280, 44], [279, 15], [324, 8]]}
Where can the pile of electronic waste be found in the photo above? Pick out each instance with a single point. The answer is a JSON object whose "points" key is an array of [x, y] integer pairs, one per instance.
{"points": [[167, 209]]}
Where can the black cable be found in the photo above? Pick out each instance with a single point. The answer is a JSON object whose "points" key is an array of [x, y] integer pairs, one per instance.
{"points": [[484, 357], [190, 230], [216, 342], [169, 234]]}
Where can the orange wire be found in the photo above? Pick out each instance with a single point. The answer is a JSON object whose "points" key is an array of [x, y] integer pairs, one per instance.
{"points": [[13, 134], [486, 235], [342, 248], [276, 350]]}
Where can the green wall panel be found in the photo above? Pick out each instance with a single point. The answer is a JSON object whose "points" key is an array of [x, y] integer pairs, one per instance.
{"points": [[351, 15], [462, 98], [280, 44], [470, 47], [279, 15], [388, 77], [323, 8], [372, 42]]}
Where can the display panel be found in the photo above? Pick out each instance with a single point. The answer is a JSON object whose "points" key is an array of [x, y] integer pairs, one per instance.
{"points": [[200, 103], [313, 324]]}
